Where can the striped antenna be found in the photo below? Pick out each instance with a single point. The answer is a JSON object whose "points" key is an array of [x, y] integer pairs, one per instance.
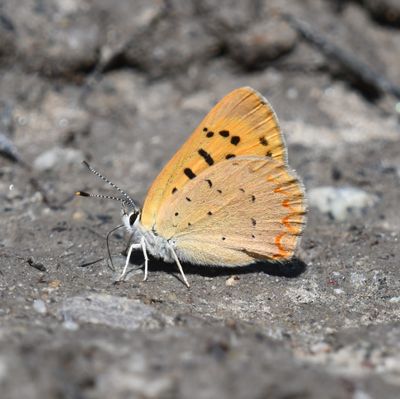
{"points": [[85, 194], [128, 200]]}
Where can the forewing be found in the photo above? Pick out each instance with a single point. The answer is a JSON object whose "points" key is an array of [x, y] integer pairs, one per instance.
{"points": [[236, 211], [242, 123]]}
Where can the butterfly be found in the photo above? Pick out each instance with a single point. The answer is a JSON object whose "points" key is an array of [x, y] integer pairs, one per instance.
{"points": [[227, 197]]}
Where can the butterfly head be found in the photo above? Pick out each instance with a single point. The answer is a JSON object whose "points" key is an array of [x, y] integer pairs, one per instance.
{"points": [[130, 217]]}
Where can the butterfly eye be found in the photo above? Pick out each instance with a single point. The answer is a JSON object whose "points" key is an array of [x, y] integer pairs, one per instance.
{"points": [[132, 218]]}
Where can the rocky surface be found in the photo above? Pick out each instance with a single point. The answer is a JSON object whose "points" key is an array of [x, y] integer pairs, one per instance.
{"points": [[122, 85]]}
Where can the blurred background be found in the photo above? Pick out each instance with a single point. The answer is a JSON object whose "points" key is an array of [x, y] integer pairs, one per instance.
{"points": [[122, 84]]}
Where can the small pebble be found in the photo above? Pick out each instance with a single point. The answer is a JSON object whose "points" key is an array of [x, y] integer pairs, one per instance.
{"points": [[54, 283], [70, 325], [338, 291], [37, 265], [57, 158], [321, 347], [232, 281], [39, 306]]}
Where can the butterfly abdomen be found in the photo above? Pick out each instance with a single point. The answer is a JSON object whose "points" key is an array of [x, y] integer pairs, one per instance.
{"points": [[157, 245]]}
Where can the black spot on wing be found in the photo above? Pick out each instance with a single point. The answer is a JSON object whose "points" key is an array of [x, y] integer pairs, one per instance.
{"points": [[235, 140], [253, 221], [174, 190], [263, 141], [224, 133], [189, 173], [206, 156], [209, 134], [209, 182], [209, 213], [253, 198], [188, 199], [229, 156]]}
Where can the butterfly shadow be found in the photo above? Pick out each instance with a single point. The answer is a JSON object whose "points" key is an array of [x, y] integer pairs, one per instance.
{"points": [[290, 269]]}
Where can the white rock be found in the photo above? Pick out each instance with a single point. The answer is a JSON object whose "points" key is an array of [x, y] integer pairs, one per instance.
{"points": [[70, 325], [113, 311], [338, 291], [39, 306], [232, 281], [341, 203], [56, 158]]}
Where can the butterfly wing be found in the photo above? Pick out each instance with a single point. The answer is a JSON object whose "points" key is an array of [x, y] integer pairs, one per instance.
{"points": [[234, 212], [242, 123]]}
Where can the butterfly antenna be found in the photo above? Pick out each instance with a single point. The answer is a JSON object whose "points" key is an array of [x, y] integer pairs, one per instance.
{"points": [[129, 200], [85, 194]]}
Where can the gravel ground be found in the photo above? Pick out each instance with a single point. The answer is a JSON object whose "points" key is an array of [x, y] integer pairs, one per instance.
{"points": [[122, 85]]}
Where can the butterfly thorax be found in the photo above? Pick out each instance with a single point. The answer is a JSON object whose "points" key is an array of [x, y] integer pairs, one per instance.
{"points": [[157, 245]]}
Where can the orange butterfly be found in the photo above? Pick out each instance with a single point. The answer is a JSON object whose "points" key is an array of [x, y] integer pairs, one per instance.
{"points": [[227, 197]]}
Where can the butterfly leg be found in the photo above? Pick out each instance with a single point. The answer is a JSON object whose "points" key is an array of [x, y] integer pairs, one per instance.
{"points": [[146, 258], [179, 266], [131, 248]]}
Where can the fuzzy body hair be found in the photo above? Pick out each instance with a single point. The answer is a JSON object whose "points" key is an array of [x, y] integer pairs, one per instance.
{"points": [[157, 245]]}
